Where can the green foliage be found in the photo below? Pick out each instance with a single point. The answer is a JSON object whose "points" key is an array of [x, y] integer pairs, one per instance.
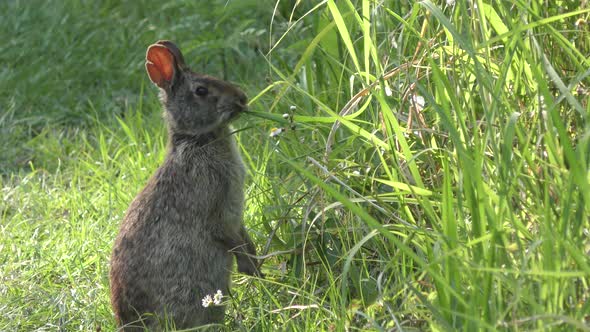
{"points": [[432, 172]]}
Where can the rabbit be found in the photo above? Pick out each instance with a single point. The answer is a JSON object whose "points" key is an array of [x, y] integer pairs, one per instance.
{"points": [[177, 238]]}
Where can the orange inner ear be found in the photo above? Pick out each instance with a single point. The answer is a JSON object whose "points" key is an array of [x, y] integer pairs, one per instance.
{"points": [[159, 65]]}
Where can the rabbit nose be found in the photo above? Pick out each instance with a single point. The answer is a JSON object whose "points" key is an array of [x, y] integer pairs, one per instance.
{"points": [[243, 99]]}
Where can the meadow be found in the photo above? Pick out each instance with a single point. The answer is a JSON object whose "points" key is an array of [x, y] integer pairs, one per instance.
{"points": [[412, 166]]}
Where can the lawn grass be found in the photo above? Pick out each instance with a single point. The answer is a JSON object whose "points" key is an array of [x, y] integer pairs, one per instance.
{"points": [[432, 172]]}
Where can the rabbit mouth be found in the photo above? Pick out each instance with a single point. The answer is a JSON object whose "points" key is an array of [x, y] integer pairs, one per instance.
{"points": [[231, 115], [235, 111]]}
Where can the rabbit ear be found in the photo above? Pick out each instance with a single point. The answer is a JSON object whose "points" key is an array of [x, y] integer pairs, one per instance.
{"points": [[162, 61], [175, 51]]}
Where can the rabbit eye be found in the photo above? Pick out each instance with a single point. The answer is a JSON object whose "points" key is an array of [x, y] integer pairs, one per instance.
{"points": [[201, 91]]}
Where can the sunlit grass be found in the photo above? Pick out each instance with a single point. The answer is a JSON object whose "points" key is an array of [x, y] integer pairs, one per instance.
{"points": [[431, 172]]}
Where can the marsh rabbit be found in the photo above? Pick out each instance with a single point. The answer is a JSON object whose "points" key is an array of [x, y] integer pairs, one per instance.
{"points": [[177, 239]]}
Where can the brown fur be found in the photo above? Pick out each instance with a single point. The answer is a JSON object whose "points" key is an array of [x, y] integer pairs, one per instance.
{"points": [[176, 241]]}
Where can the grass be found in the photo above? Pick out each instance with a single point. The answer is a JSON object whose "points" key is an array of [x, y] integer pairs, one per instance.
{"points": [[432, 173]]}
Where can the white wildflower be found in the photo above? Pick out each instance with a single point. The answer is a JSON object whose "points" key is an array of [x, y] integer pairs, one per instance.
{"points": [[276, 132], [388, 91], [292, 108], [207, 300], [393, 43], [218, 297], [286, 116], [418, 102]]}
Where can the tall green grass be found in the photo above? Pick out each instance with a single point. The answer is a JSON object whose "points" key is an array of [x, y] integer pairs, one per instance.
{"points": [[468, 210], [432, 172]]}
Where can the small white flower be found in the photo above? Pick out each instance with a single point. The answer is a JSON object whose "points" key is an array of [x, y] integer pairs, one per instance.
{"points": [[207, 300], [276, 132], [388, 91], [418, 102], [218, 297], [357, 173], [292, 108], [393, 43], [450, 2], [286, 116]]}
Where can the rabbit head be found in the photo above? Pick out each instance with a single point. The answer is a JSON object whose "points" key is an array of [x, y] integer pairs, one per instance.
{"points": [[195, 104]]}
